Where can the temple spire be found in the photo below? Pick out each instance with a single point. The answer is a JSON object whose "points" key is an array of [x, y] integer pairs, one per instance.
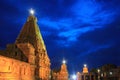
{"points": [[31, 33], [85, 69]]}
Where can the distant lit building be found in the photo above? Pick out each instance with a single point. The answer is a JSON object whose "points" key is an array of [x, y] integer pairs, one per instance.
{"points": [[85, 69], [62, 73], [110, 72], [105, 72], [85, 74]]}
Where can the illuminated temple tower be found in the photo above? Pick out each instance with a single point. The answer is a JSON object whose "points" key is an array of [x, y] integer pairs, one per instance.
{"points": [[27, 58], [62, 73], [85, 69], [30, 36]]}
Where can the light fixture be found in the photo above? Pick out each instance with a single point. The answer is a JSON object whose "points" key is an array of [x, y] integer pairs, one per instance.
{"points": [[85, 65], [98, 70], [74, 77], [31, 11], [111, 73], [63, 61]]}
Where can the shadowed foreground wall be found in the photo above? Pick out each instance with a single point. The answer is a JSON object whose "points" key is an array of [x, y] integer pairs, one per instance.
{"points": [[11, 69]]}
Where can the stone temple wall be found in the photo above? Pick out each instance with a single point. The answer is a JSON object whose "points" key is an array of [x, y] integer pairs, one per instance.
{"points": [[11, 69]]}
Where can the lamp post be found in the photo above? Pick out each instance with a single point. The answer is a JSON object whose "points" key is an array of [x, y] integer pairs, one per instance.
{"points": [[98, 70]]}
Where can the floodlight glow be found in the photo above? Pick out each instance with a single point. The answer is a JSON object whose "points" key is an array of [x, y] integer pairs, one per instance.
{"points": [[74, 77], [31, 11], [111, 73], [85, 65], [102, 74], [63, 61], [98, 70]]}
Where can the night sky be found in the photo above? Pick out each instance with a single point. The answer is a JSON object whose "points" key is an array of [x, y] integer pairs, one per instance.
{"points": [[79, 31]]}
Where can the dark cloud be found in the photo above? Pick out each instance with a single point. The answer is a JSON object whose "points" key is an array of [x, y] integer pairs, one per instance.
{"points": [[109, 34]]}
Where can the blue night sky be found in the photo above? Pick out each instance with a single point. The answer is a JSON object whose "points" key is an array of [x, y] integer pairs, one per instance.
{"points": [[80, 31]]}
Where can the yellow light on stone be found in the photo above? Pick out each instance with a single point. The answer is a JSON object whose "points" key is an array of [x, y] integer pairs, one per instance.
{"points": [[85, 69]]}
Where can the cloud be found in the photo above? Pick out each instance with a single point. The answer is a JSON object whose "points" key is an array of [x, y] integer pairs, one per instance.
{"points": [[92, 12], [85, 17]]}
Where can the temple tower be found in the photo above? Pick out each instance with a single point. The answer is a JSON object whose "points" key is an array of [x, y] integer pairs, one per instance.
{"points": [[85, 69], [63, 74], [30, 36]]}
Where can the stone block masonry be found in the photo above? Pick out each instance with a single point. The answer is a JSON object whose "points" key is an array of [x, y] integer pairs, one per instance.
{"points": [[11, 69]]}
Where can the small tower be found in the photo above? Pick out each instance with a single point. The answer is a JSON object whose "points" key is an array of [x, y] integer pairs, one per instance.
{"points": [[85, 69], [63, 72]]}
